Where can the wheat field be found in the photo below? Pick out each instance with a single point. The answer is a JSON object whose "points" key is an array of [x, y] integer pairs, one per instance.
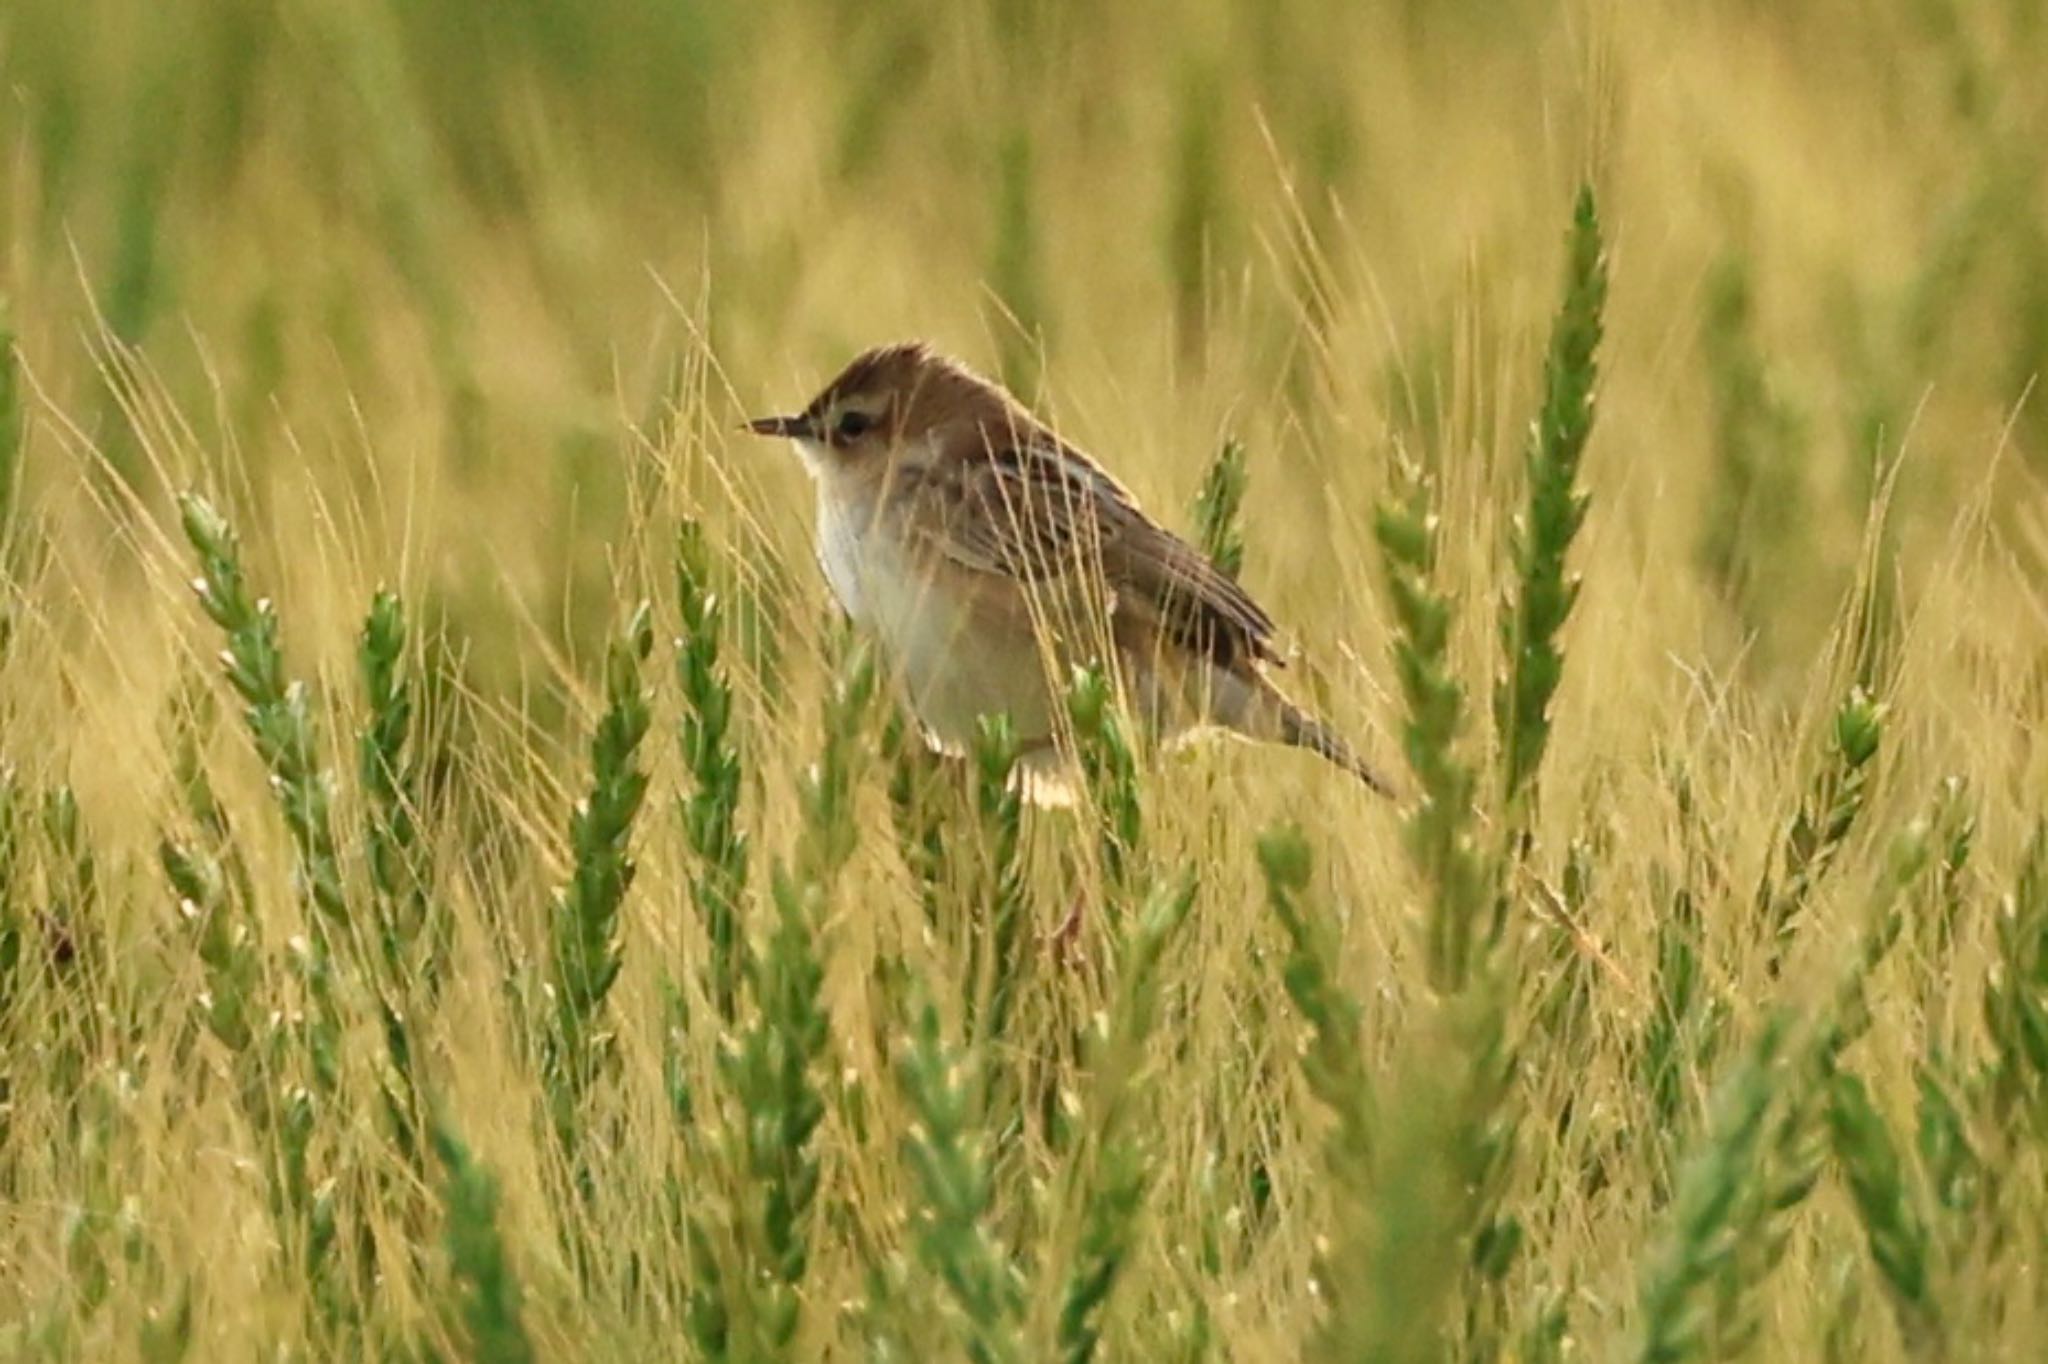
{"points": [[464, 894]]}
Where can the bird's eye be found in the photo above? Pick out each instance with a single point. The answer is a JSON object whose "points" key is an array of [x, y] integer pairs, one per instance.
{"points": [[853, 425]]}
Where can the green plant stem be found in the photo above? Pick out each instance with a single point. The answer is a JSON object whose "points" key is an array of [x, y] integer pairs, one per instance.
{"points": [[584, 959], [1544, 596]]}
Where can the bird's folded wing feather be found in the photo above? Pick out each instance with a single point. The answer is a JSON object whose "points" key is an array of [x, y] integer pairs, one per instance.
{"points": [[1035, 511]]}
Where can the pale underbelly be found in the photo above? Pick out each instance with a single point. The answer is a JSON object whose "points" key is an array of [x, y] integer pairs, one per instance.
{"points": [[961, 649], [962, 658], [966, 645]]}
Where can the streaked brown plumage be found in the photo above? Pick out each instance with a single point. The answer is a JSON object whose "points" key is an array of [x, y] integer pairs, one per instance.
{"points": [[990, 556]]}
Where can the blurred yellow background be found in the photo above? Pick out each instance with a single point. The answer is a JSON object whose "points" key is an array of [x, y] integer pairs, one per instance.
{"points": [[465, 271]]}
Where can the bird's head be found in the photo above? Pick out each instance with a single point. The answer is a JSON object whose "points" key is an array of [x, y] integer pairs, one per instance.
{"points": [[896, 402]]}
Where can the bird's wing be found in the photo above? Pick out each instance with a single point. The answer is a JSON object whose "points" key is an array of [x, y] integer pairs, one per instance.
{"points": [[1036, 511]]}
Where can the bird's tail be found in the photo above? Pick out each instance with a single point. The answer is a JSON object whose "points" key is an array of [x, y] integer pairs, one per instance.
{"points": [[1304, 730]]}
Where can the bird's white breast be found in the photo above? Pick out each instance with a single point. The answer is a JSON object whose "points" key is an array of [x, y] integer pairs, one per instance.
{"points": [[883, 587], [842, 535], [954, 666]]}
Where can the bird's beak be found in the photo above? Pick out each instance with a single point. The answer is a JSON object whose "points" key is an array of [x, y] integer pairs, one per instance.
{"points": [[795, 428]]}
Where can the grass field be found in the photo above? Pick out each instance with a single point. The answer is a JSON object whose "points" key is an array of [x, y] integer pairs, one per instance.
{"points": [[463, 895]]}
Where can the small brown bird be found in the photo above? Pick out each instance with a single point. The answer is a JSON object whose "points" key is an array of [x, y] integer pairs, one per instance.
{"points": [[990, 556]]}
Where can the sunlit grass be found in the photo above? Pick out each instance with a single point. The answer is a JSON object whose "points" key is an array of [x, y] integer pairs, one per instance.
{"points": [[414, 946]]}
